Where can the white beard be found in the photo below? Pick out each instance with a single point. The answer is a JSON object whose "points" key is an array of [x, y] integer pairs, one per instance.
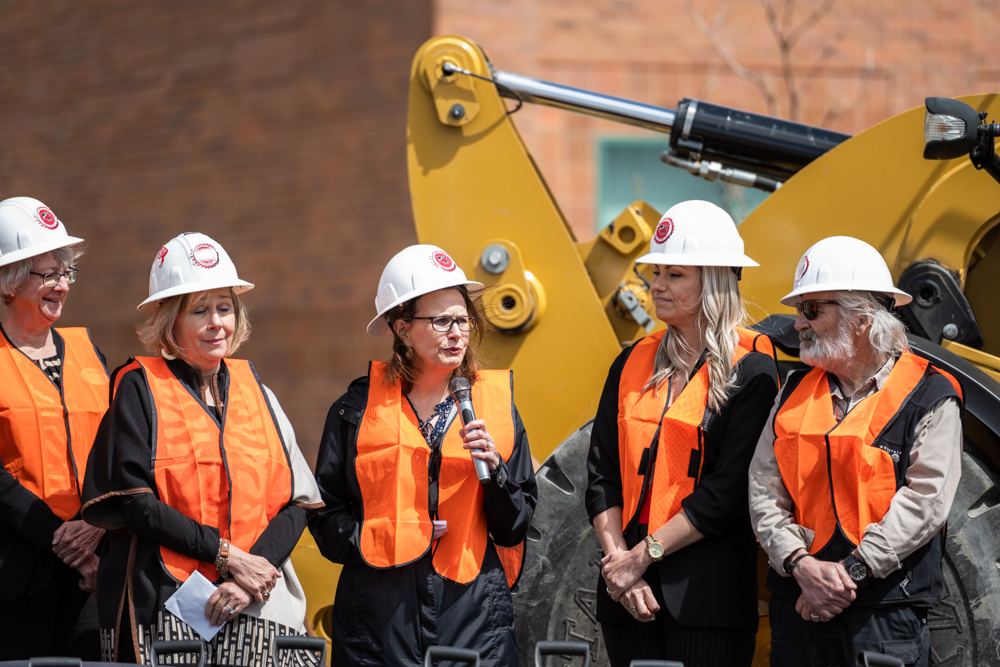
{"points": [[832, 351]]}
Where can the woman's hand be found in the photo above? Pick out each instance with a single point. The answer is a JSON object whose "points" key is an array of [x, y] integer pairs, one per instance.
{"points": [[254, 574], [88, 573], [226, 602], [479, 441], [639, 601], [623, 569], [74, 542]]}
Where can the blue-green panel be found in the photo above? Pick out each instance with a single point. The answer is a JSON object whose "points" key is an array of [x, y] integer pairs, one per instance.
{"points": [[629, 168]]}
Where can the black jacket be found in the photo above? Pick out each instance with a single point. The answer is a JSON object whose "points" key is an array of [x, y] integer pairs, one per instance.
{"points": [[713, 582], [390, 616]]}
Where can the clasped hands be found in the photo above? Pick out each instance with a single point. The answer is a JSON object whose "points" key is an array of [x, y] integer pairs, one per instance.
{"points": [[623, 572], [827, 589], [74, 543], [253, 577]]}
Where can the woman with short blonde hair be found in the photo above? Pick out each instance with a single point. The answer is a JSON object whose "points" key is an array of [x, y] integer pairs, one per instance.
{"points": [[196, 473]]}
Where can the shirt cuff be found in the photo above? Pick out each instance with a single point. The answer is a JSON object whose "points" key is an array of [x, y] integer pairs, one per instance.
{"points": [[875, 551], [784, 543]]}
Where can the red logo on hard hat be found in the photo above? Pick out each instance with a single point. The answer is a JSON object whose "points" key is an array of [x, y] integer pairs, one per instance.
{"points": [[162, 255], [46, 218], [664, 230], [801, 269], [205, 255], [443, 261]]}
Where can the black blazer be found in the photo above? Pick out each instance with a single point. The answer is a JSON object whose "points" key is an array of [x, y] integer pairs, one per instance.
{"points": [[713, 582]]}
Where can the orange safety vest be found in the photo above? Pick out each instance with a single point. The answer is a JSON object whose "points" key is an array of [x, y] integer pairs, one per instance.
{"points": [[236, 478], [678, 430], [393, 471], [821, 460], [46, 432]]}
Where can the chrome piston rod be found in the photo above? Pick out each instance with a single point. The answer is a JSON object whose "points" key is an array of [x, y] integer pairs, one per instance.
{"points": [[617, 109]]}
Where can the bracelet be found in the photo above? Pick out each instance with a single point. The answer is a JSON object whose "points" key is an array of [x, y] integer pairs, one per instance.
{"points": [[222, 559], [795, 561]]}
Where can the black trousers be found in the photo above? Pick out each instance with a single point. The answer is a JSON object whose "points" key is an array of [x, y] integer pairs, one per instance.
{"points": [[899, 631], [665, 639], [59, 621]]}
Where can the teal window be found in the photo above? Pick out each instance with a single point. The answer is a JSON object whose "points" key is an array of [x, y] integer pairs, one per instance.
{"points": [[629, 168]]}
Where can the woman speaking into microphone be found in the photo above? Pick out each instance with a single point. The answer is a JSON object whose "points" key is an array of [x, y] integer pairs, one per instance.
{"points": [[429, 551]]}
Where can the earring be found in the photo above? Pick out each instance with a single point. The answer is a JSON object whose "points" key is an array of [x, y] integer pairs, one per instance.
{"points": [[409, 353]]}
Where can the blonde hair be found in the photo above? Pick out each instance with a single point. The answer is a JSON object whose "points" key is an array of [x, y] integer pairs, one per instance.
{"points": [[722, 310], [156, 332]]}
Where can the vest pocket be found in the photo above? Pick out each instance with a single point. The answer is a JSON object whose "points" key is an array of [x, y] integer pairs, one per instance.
{"points": [[14, 466]]}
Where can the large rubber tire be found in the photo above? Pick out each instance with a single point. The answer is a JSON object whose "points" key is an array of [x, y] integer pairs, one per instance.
{"points": [[555, 598]]}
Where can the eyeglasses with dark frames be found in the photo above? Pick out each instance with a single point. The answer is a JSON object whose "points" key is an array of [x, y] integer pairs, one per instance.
{"points": [[443, 323], [809, 307], [52, 279]]}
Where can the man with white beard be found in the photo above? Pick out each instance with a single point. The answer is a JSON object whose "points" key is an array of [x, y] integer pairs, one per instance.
{"points": [[855, 472]]}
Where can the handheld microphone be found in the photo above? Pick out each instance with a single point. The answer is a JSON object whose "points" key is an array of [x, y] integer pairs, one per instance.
{"points": [[461, 393]]}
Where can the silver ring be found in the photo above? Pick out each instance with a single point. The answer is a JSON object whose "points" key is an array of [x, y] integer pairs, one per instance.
{"points": [[632, 610], [608, 589], [815, 617], [229, 609], [266, 594]]}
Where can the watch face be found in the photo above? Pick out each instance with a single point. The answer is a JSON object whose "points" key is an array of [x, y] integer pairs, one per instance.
{"points": [[858, 571], [655, 550]]}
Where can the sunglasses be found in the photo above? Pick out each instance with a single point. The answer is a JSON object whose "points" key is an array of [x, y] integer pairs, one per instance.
{"points": [[810, 307]]}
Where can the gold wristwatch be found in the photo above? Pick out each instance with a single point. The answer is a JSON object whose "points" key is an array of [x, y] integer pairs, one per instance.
{"points": [[654, 548]]}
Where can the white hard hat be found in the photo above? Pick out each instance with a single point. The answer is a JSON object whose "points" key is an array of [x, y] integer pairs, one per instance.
{"points": [[843, 263], [413, 272], [696, 233], [189, 263], [29, 228]]}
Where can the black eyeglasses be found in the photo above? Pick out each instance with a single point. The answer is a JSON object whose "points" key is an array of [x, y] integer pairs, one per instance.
{"points": [[52, 279], [809, 307], [443, 323]]}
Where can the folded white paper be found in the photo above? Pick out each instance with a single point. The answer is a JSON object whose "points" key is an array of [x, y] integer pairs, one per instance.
{"points": [[189, 603]]}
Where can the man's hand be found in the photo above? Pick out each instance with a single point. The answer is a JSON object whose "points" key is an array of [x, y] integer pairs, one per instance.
{"points": [[827, 589]]}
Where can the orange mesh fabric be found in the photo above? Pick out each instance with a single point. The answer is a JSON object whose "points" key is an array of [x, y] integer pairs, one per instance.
{"points": [[392, 469], [858, 483], [193, 462], [35, 445], [679, 457]]}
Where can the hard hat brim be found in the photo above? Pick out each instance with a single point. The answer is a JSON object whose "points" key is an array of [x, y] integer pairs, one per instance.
{"points": [[39, 249], [379, 327], [900, 298], [695, 260], [153, 302]]}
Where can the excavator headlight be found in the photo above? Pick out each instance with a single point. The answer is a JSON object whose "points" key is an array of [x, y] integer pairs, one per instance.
{"points": [[951, 128]]}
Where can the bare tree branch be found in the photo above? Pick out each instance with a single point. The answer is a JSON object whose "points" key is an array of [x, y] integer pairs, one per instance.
{"points": [[712, 35], [815, 17]]}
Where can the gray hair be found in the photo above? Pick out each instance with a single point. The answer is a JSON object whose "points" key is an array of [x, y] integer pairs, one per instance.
{"points": [[13, 276], [887, 334]]}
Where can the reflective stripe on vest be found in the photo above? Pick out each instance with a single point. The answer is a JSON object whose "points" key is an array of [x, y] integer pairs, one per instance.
{"points": [[821, 460], [679, 457], [194, 463], [46, 434], [392, 466]]}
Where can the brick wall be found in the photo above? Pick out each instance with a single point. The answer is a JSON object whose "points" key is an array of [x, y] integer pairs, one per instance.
{"points": [[276, 128], [862, 62]]}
